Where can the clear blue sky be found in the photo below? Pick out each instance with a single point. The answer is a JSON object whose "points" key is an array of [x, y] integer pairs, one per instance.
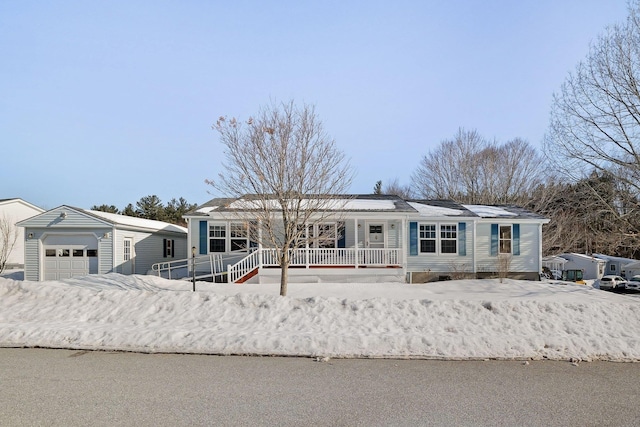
{"points": [[107, 102]]}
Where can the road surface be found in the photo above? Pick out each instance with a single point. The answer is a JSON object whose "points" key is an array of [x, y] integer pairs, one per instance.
{"points": [[78, 388]]}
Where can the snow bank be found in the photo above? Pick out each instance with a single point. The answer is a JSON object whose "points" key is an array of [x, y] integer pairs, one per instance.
{"points": [[466, 319]]}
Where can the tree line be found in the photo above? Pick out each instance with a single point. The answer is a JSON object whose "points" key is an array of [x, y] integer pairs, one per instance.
{"points": [[151, 207], [586, 179], [596, 213]]}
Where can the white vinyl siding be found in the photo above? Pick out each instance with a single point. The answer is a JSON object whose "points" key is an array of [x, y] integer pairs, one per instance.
{"points": [[439, 262], [527, 261], [148, 245]]}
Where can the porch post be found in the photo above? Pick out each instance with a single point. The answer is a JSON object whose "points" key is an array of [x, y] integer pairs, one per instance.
{"points": [[474, 257], [356, 249], [403, 239], [306, 244], [259, 243]]}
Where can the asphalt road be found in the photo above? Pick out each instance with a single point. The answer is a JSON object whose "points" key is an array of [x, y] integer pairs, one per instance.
{"points": [[71, 388]]}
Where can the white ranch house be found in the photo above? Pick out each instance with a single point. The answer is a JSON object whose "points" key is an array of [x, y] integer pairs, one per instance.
{"points": [[375, 237], [67, 242]]}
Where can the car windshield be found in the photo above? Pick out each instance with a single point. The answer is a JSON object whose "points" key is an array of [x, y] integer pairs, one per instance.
{"points": [[635, 279]]}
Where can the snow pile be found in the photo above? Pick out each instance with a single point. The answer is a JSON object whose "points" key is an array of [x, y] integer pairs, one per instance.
{"points": [[464, 319]]}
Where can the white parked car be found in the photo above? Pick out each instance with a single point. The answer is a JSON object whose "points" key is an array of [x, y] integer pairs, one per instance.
{"points": [[633, 283], [612, 282]]}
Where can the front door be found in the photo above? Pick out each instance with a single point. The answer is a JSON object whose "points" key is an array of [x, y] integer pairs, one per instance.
{"points": [[375, 236]]}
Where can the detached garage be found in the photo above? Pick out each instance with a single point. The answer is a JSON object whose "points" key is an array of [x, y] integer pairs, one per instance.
{"points": [[68, 242]]}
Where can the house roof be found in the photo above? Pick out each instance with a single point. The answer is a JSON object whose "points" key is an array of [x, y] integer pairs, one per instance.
{"points": [[621, 260], [135, 222], [583, 257], [379, 203], [19, 200], [117, 220], [343, 202]]}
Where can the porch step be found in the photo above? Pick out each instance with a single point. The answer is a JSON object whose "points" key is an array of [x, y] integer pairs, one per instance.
{"points": [[247, 276]]}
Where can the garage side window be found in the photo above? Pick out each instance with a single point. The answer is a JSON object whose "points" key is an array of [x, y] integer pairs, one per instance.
{"points": [[92, 253]]}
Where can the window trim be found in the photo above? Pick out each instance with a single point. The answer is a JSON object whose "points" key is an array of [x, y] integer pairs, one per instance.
{"points": [[233, 228], [315, 238], [453, 238], [219, 227], [439, 229], [428, 239], [501, 239]]}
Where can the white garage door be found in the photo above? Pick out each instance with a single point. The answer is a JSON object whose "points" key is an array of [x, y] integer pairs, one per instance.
{"points": [[70, 256]]}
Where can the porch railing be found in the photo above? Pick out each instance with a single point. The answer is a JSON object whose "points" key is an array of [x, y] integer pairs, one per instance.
{"points": [[205, 266], [317, 257], [243, 267]]}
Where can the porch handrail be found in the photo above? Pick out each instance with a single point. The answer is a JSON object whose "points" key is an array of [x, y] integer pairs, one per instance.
{"points": [[213, 265], [335, 256], [247, 264], [316, 257]]}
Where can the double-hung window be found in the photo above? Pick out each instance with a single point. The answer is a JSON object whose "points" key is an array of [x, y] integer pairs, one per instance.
{"points": [[448, 238], [217, 238], [322, 235], [438, 238], [428, 238], [239, 234], [504, 235], [326, 236]]}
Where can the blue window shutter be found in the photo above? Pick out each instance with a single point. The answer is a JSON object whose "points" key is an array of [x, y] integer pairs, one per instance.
{"points": [[341, 235], [203, 237], [494, 239], [462, 238], [516, 239], [413, 238]]}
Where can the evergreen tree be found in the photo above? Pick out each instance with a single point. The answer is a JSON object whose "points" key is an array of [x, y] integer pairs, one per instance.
{"points": [[377, 189], [129, 210], [150, 207], [175, 209], [105, 208]]}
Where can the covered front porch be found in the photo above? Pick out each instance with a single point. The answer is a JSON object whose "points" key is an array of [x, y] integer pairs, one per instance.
{"points": [[314, 258]]}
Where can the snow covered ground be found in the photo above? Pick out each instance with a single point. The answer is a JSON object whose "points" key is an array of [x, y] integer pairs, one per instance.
{"points": [[464, 319]]}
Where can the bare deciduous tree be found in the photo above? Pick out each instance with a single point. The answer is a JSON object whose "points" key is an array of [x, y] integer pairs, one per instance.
{"points": [[503, 266], [595, 118], [8, 238], [470, 169], [394, 188], [582, 219], [285, 169]]}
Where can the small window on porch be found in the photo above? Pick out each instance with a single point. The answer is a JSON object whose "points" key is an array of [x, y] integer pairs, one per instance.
{"points": [[217, 238], [326, 236], [239, 234]]}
